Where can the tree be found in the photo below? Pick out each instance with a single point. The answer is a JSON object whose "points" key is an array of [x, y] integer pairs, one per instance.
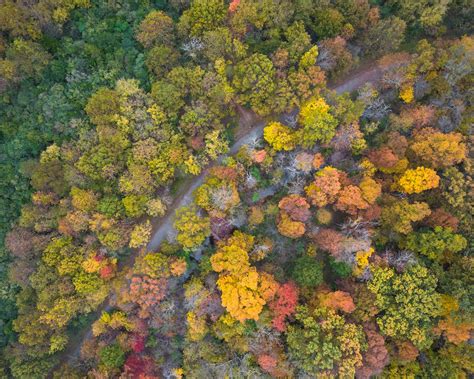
{"points": [[138, 366], [294, 212], [102, 106], [156, 28], [192, 229], [370, 189], [290, 228], [309, 58], [440, 217], [283, 305], [438, 150], [387, 161], [147, 293], [296, 207], [329, 240], [455, 332], [424, 13], [382, 35], [279, 137], [83, 200], [240, 295], [418, 180], [27, 58], [435, 243], [350, 200], [202, 16], [219, 43], [322, 341], [409, 303], [244, 290], [407, 93], [298, 42], [334, 57], [114, 320], [376, 357], [140, 235], [337, 300], [307, 271], [217, 196], [317, 123], [400, 215], [112, 357], [233, 257], [161, 59], [324, 189], [261, 18], [26, 367], [254, 83], [328, 22]]}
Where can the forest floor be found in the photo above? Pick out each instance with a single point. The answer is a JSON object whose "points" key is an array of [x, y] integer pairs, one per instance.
{"points": [[250, 129]]}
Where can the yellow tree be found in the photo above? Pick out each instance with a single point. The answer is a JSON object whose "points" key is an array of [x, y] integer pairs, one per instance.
{"points": [[438, 150], [418, 180], [192, 228], [279, 137], [317, 123], [244, 290]]}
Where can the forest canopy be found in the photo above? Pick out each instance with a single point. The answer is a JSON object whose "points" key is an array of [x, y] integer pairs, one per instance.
{"points": [[216, 188]]}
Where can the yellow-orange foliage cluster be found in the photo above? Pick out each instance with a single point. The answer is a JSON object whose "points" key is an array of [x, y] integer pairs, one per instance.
{"points": [[418, 180], [244, 290]]}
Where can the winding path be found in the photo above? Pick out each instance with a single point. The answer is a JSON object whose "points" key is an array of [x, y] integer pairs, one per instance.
{"points": [[249, 130]]}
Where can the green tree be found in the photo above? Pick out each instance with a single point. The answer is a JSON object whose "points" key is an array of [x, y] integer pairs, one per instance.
{"points": [[408, 301], [322, 340], [202, 16], [383, 36], [435, 243], [328, 22], [254, 83], [28, 58], [422, 13], [161, 59], [399, 215], [307, 271], [102, 106], [156, 28], [112, 357]]}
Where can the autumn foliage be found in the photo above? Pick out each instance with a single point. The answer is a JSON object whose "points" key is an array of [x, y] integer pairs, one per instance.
{"points": [[283, 305]]}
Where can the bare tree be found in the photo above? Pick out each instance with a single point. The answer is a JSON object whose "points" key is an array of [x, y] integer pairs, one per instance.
{"points": [[376, 110], [192, 47]]}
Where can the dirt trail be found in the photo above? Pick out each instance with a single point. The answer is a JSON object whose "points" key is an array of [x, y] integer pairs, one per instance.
{"points": [[249, 130]]}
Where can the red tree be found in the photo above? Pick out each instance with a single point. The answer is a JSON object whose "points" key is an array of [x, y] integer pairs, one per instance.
{"points": [[137, 366], [267, 362], [283, 305], [137, 342]]}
